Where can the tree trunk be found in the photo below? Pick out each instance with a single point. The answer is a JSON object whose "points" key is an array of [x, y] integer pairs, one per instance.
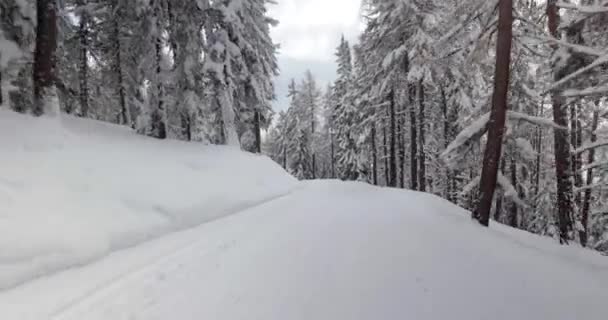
{"points": [[575, 142], [499, 197], [496, 130], [513, 212], [583, 234], [333, 155], [421, 134], [83, 65], [401, 135], [44, 58], [121, 91], [385, 153], [562, 145], [374, 156], [393, 140], [258, 135], [446, 142], [413, 141], [537, 164]]}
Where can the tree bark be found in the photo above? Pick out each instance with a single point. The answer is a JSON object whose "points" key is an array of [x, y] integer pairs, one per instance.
{"points": [[258, 135], [374, 156], [583, 234], [513, 212], [493, 150], [121, 91], [421, 134], [385, 153], [393, 141], [562, 146], [83, 64], [44, 57], [401, 135], [413, 141]]}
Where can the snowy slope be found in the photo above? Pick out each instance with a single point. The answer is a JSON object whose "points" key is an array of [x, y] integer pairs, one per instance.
{"points": [[330, 250], [73, 190]]}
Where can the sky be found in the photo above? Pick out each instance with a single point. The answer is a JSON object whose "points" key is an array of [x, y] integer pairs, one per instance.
{"points": [[309, 32]]}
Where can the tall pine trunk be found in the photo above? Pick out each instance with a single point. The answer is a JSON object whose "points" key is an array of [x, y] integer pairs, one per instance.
{"points": [[422, 138], [44, 58], [121, 91], [446, 142], [374, 155], [257, 127], [513, 210], [393, 140], [413, 141], [491, 159], [385, 153], [83, 64], [401, 135], [583, 234], [562, 145]]}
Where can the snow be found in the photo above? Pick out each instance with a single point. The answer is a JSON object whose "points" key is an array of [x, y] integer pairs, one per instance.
{"points": [[330, 250], [71, 190], [229, 235]]}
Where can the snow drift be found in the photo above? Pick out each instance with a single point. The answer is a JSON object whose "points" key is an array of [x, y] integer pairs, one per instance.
{"points": [[73, 190]]}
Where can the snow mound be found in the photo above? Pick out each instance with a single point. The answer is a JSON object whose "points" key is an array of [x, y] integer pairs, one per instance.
{"points": [[73, 190]]}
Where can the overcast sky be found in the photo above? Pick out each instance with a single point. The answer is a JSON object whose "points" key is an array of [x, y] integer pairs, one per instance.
{"points": [[308, 33]]}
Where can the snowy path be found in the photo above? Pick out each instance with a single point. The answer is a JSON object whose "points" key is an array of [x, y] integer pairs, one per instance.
{"points": [[329, 251]]}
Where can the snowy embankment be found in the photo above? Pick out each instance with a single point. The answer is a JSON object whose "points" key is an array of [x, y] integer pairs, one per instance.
{"points": [[73, 190]]}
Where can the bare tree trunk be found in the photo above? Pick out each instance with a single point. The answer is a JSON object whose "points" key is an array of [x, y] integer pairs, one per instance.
{"points": [[401, 135], [374, 155], [575, 142], [537, 165], [499, 197], [421, 133], [583, 234], [413, 142], [385, 153], [496, 130], [83, 65], [393, 141], [513, 212], [562, 146], [446, 142], [125, 115], [44, 57], [333, 155], [258, 134]]}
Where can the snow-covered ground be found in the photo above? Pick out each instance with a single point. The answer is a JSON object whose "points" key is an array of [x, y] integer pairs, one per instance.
{"points": [[287, 250], [75, 190]]}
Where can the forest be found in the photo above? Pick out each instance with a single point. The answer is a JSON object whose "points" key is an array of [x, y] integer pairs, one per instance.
{"points": [[498, 106]]}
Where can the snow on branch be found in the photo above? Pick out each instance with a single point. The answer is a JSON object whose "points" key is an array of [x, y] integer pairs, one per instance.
{"points": [[539, 121], [598, 62], [474, 131], [509, 191], [587, 9], [594, 165], [593, 91], [590, 146]]}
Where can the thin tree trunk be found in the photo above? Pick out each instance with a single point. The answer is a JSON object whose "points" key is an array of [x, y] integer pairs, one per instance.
{"points": [[413, 141], [83, 65], [421, 134], [583, 234], [499, 197], [385, 153], [374, 155], [496, 130], [575, 142], [537, 164], [513, 212], [393, 141], [333, 155], [44, 57], [401, 135], [258, 135], [562, 146], [446, 142]]}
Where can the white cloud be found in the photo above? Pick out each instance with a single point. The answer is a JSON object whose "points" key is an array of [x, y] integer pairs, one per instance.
{"points": [[311, 29]]}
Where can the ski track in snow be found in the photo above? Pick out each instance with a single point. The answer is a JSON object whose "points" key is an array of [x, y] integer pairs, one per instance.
{"points": [[331, 250]]}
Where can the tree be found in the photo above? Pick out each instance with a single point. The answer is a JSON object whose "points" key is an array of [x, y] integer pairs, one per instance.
{"points": [[44, 59]]}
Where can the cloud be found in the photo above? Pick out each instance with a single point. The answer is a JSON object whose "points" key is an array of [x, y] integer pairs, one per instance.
{"points": [[309, 32]]}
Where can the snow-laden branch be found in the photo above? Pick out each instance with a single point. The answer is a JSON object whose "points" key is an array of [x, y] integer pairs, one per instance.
{"points": [[590, 146], [587, 9], [509, 190], [594, 165], [598, 62], [598, 90], [576, 47], [474, 131], [539, 121]]}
